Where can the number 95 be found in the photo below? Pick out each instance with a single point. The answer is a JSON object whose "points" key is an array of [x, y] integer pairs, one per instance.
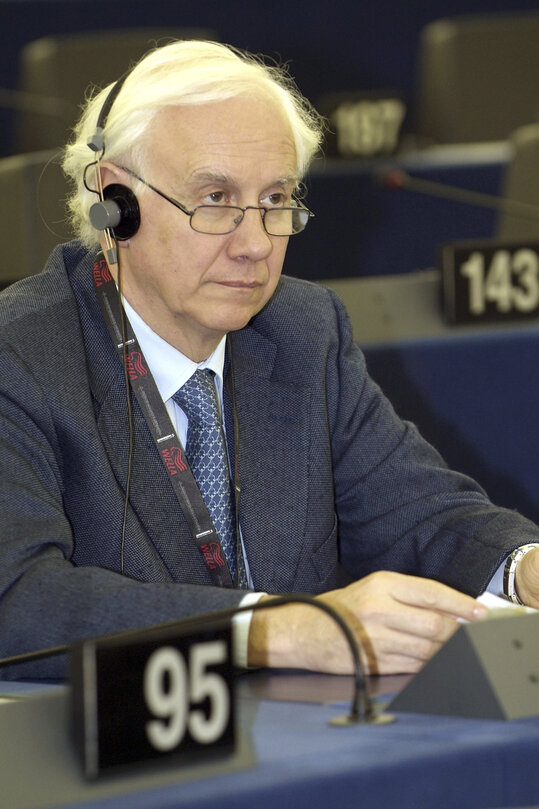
{"points": [[171, 688]]}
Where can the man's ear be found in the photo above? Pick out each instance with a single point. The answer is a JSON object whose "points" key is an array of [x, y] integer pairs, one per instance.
{"points": [[110, 173]]}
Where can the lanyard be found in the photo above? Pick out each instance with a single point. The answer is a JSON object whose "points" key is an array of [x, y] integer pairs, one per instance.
{"points": [[167, 442]]}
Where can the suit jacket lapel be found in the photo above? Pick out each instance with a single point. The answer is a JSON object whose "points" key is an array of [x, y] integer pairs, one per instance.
{"points": [[273, 416]]}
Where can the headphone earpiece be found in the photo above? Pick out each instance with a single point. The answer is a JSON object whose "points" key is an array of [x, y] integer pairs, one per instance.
{"points": [[118, 211]]}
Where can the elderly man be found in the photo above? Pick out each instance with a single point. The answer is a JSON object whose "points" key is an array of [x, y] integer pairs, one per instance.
{"points": [[184, 429]]}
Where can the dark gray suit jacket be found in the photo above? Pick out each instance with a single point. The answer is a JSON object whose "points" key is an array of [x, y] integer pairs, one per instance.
{"points": [[334, 485]]}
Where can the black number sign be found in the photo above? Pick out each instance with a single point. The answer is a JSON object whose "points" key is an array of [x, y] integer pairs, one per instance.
{"points": [[490, 281], [151, 697]]}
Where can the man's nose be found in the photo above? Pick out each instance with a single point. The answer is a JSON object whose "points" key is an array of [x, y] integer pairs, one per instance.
{"points": [[250, 237]]}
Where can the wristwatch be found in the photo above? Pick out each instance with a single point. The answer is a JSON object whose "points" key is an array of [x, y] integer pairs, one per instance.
{"points": [[511, 569]]}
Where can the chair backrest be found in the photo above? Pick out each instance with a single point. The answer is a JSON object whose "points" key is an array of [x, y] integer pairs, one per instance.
{"points": [[60, 69], [477, 77], [521, 183], [33, 189]]}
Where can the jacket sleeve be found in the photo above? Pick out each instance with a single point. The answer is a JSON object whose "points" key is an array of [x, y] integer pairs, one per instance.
{"points": [[399, 507]]}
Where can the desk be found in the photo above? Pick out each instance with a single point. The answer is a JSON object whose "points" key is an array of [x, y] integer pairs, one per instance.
{"points": [[302, 761]]}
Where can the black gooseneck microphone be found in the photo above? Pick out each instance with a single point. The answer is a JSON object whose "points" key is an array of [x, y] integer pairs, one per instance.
{"points": [[396, 180], [362, 709]]}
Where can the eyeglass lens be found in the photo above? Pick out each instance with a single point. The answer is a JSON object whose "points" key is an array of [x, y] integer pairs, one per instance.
{"points": [[223, 219]]}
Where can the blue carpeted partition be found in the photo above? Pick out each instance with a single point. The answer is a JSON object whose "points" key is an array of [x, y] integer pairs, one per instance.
{"points": [[476, 398]]}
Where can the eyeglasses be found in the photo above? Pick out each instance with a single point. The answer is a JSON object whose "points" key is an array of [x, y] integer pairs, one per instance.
{"points": [[217, 220]]}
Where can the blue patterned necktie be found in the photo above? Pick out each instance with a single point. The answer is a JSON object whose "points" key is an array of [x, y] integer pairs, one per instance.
{"points": [[206, 452]]}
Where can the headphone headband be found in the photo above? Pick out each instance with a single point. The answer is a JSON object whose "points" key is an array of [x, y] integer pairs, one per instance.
{"points": [[97, 140]]}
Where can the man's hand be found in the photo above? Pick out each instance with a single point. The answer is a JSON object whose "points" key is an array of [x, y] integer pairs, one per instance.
{"points": [[527, 579], [400, 622]]}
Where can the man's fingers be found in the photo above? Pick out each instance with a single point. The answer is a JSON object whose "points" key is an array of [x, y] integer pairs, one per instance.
{"points": [[434, 596], [416, 638], [400, 621], [527, 578], [404, 618], [422, 623], [397, 652]]}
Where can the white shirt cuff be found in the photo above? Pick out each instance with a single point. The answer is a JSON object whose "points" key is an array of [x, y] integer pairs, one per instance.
{"points": [[495, 585], [240, 629]]}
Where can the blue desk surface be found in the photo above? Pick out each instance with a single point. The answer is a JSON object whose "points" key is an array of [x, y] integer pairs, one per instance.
{"points": [[302, 761]]}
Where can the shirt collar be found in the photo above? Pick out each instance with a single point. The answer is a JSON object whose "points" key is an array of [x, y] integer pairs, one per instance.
{"points": [[169, 367]]}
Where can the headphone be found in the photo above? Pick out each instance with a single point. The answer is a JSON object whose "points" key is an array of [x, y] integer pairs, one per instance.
{"points": [[117, 213]]}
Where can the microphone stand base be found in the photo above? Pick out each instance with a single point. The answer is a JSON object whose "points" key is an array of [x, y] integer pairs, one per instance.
{"points": [[356, 719]]}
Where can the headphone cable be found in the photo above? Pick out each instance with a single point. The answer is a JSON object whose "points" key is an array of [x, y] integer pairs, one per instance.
{"points": [[130, 418]]}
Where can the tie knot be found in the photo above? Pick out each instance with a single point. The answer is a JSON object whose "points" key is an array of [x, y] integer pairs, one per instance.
{"points": [[198, 398]]}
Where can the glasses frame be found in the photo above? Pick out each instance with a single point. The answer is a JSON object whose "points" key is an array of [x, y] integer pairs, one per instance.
{"points": [[190, 214]]}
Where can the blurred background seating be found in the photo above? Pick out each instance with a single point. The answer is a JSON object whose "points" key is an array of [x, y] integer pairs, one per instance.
{"points": [[478, 77], [521, 183], [33, 188], [366, 227], [474, 396], [471, 390], [362, 228], [62, 69]]}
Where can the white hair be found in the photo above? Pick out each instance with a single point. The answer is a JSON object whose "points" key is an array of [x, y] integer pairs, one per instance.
{"points": [[180, 73]]}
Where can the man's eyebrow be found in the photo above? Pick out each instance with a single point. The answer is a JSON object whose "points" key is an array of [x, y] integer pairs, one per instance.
{"points": [[207, 177], [286, 181]]}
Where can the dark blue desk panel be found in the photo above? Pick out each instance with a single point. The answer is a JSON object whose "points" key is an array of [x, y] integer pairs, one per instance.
{"points": [[363, 229], [302, 761], [475, 397]]}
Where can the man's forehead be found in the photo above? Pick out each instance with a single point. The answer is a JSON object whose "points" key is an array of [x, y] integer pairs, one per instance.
{"points": [[209, 142], [236, 116]]}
